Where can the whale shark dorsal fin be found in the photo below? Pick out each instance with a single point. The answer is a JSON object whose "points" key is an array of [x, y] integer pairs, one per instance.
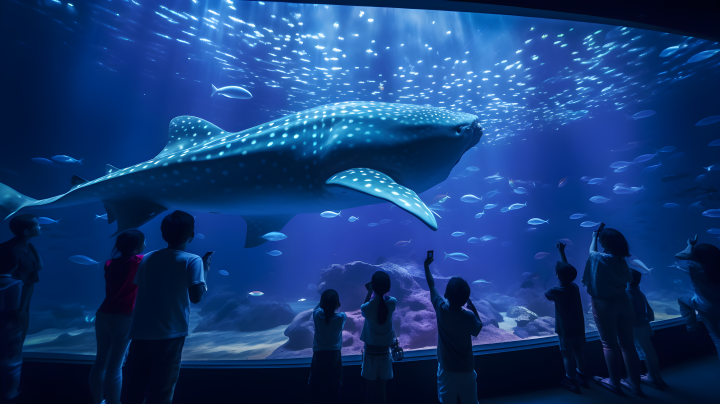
{"points": [[257, 226], [130, 213], [75, 180], [188, 131], [377, 184], [109, 169]]}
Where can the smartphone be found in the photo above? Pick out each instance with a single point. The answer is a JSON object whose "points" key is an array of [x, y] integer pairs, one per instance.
{"points": [[208, 254], [368, 286], [601, 227], [430, 254]]}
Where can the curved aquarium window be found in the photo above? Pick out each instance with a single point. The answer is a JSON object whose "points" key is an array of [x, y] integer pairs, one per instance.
{"points": [[365, 137]]}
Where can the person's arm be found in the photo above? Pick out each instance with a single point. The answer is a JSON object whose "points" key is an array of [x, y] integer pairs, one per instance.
{"points": [[472, 308], [428, 276], [561, 247], [593, 243], [368, 286], [197, 290]]}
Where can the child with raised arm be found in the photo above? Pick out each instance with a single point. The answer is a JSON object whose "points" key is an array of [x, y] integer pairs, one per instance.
{"points": [[569, 323], [326, 365], [704, 271], [642, 331], [456, 327], [378, 335]]}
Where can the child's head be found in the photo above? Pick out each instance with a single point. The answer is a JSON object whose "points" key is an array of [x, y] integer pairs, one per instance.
{"points": [[636, 278], [709, 257], [381, 285], [329, 302], [129, 243], [8, 263], [565, 272], [457, 292], [25, 226], [177, 228], [614, 243]]}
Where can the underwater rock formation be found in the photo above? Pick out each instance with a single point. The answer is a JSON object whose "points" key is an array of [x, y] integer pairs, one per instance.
{"points": [[671, 311], [414, 318], [215, 300], [534, 299], [58, 316], [500, 302], [543, 326], [245, 317]]}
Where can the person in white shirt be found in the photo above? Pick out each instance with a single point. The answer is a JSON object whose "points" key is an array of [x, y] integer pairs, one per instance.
{"points": [[456, 327], [168, 281], [326, 366], [606, 276], [378, 335]]}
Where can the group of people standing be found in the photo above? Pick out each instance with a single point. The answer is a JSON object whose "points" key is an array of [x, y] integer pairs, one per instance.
{"points": [[143, 321]]}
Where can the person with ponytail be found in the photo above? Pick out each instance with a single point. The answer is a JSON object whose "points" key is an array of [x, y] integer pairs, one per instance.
{"points": [[704, 270], [326, 365], [113, 318], [378, 335]]}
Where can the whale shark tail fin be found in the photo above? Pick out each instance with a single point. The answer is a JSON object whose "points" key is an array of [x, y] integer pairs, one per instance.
{"points": [[130, 213], [11, 201], [214, 90], [257, 226]]}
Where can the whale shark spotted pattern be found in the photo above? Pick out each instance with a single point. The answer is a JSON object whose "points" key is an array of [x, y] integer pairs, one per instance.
{"points": [[331, 157]]}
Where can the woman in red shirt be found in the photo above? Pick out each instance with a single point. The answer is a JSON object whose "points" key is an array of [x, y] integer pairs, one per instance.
{"points": [[113, 318]]}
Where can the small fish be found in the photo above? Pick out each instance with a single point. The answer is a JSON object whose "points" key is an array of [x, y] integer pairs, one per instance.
{"points": [[473, 240], [493, 178], [353, 218], [651, 168], [256, 293], [700, 178], [487, 238], [457, 256], [384, 221], [516, 206], [274, 253], [445, 198], [714, 167], [405, 223], [199, 236], [472, 168], [696, 206], [66, 159], [536, 221], [621, 164], [711, 213], [490, 205], [676, 155], [520, 190], [223, 272], [643, 158], [301, 300], [402, 243], [619, 170], [596, 181], [562, 182], [669, 51], [623, 190], [479, 215], [714, 231], [507, 243], [505, 209], [101, 217], [708, 121], [458, 234], [531, 229], [470, 199], [540, 255], [373, 224], [632, 261], [675, 265], [47, 220], [670, 205], [526, 274], [512, 183], [703, 55], [641, 114], [89, 318], [667, 149], [599, 199], [490, 194], [439, 197], [585, 178], [82, 260], [578, 215], [589, 224], [274, 236], [330, 214], [231, 92], [714, 143], [481, 281], [677, 281], [40, 160]]}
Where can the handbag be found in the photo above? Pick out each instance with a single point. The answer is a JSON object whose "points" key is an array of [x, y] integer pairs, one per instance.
{"points": [[397, 352]]}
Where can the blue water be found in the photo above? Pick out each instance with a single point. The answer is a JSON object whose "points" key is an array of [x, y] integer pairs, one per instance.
{"points": [[557, 101]]}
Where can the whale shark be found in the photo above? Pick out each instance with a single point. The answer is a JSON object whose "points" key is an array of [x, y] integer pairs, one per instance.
{"points": [[331, 157]]}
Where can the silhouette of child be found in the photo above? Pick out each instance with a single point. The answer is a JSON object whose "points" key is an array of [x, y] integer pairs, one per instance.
{"points": [[569, 324], [704, 271], [456, 377], [326, 366], [378, 334], [11, 329], [113, 318], [642, 331]]}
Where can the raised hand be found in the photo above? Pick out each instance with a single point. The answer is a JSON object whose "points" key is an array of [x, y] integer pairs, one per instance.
{"points": [[560, 246]]}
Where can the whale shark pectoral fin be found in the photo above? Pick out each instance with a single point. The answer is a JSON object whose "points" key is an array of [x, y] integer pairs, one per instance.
{"points": [[130, 213], [75, 180], [379, 185], [257, 226], [11, 201]]}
